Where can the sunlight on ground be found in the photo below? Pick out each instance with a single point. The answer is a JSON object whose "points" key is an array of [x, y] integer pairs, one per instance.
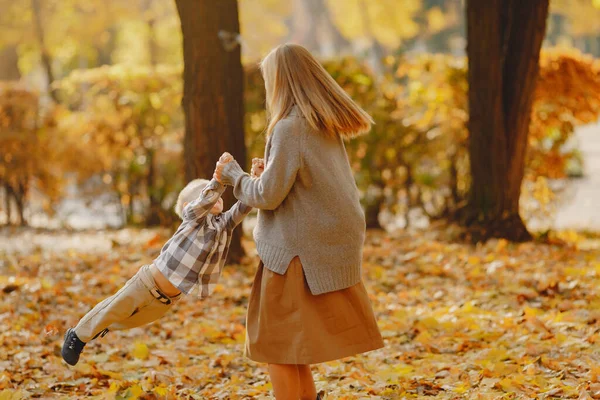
{"points": [[459, 322]]}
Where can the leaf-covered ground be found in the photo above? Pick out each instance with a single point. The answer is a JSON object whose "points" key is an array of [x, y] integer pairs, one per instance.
{"points": [[493, 321]]}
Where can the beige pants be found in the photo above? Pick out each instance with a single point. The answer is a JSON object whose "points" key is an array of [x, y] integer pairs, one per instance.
{"points": [[137, 303]]}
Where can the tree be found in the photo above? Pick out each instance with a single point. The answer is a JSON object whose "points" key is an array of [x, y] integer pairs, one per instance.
{"points": [[312, 27], [392, 21], [504, 40], [130, 116], [35, 154], [213, 90], [9, 64], [46, 58], [576, 21]]}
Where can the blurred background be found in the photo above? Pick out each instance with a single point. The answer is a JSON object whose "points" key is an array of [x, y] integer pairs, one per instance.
{"points": [[92, 129], [107, 109]]}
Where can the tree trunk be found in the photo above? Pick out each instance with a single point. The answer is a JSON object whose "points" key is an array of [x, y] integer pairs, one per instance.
{"points": [[313, 28], [19, 200], [337, 41], [153, 217], [213, 91], [377, 51], [132, 189], [9, 64], [304, 24], [504, 40], [7, 202], [152, 44], [153, 48], [36, 9], [556, 29], [372, 203], [107, 47], [18, 194]]}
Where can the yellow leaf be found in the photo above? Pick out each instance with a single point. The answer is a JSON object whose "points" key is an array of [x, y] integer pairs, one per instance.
{"points": [[140, 350], [114, 387], [134, 392], [160, 390], [46, 283], [430, 323], [240, 338], [8, 394], [497, 355], [436, 20], [423, 337], [532, 312], [462, 388], [501, 245], [506, 385], [265, 387], [111, 374], [403, 369], [473, 260], [469, 307]]}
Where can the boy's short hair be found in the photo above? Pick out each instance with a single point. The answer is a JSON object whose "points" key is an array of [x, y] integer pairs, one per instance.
{"points": [[189, 193]]}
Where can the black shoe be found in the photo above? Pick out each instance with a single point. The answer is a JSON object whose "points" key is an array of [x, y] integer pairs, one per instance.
{"points": [[72, 347]]}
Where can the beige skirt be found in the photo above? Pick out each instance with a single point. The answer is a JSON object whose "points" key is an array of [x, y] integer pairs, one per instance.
{"points": [[286, 324]]}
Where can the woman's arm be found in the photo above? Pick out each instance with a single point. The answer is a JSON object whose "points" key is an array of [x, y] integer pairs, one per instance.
{"points": [[268, 191]]}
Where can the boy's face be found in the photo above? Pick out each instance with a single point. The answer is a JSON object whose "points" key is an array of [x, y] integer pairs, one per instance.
{"points": [[218, 207]]}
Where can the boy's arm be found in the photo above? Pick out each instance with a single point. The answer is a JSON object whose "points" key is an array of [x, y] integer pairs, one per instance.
{"points": [[235, 215], [203, 204]]}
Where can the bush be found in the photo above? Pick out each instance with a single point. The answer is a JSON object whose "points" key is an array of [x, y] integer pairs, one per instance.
{"points": [[125, 124], [416, 153], [132, 118], [34, 153]]}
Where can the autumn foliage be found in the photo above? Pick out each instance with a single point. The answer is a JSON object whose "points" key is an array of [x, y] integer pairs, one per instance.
{"points": [[124, 125], [33, 151], [498, 320], [567, 95]]}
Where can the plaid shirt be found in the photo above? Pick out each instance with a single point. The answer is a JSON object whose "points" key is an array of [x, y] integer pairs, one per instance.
{"points": [[194, 257]]}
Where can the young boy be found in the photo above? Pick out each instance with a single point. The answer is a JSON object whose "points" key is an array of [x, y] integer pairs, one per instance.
{"points": [[191, 261]]}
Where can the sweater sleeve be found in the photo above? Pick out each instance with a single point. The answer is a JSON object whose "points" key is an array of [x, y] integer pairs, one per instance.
{"points": [[276, 181]]}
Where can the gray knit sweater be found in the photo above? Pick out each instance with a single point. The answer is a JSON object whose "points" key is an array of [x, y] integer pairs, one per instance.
{"points": [[308, 205]]}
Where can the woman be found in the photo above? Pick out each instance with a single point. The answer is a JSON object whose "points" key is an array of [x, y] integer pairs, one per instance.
{"points": [[308, 304]]}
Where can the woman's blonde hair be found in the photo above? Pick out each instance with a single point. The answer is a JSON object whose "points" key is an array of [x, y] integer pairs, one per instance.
{"points": [[294, 77]]}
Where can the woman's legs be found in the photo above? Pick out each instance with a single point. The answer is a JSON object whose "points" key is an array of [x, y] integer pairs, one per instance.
{"points": [[307, 383], [285, 381], [292, 382]]}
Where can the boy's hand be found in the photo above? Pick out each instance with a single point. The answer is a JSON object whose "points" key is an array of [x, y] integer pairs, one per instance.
{"points": [[224, 159], [258, 167]]}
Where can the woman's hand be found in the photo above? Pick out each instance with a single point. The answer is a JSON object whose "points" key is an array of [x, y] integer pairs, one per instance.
{"points": [[258, 167], [224, 159]]}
